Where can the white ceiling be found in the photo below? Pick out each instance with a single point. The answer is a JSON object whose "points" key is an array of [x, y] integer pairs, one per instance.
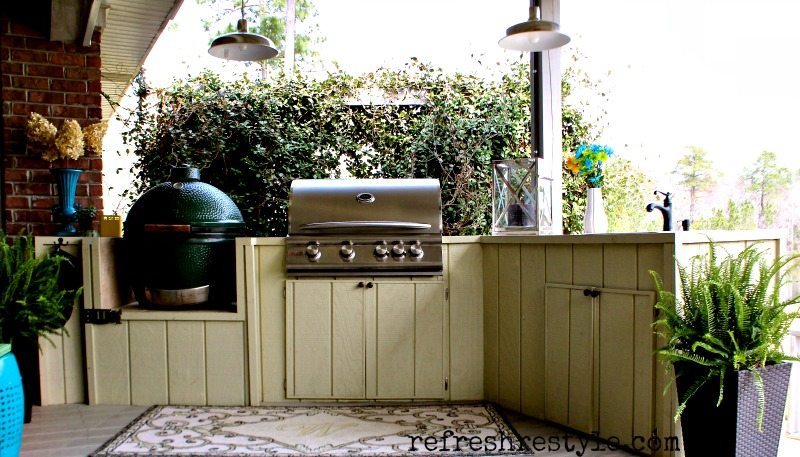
{"points": [[131, 29]]}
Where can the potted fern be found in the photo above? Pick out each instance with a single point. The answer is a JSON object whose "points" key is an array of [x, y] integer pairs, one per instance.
{"points": [[33, 302], [723, 338]]}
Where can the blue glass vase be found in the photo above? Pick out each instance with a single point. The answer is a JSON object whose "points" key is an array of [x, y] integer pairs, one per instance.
{"points": [[64, 212]]}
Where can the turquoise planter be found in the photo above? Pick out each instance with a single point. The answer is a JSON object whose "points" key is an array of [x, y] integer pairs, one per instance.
{"points": [[11, 404], [66, 182]]}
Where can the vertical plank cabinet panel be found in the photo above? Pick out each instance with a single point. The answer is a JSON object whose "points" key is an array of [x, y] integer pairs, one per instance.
{"points": [[61, 373], [186, 361], [620, 270], [270, 310], [644, 362], [74, 377], [51, 369], [532, 314], [650, 257], [648, 394], [395, 350], [581, 360], [465, 281], [490, 335], [348, 345], [616, 382], [247, 294], [371, 337], [558, 263], [110, 368], [308, 326], [666, 402], [508, 327], [225, 363], [557, 354], [429, 341], [587, 264], [148, 346]]}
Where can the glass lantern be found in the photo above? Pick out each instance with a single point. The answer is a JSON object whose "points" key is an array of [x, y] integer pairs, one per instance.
{"points": [[522, 202]]}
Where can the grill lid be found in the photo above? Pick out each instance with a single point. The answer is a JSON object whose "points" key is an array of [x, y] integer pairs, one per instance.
{"points": [[365, 206], [183, 204]]}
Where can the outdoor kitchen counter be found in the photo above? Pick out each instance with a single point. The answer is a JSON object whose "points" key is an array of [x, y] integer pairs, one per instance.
{"points": [[556, 327]]}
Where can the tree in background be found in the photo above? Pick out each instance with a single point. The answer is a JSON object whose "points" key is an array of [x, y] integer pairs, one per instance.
{"points": [[694, 171], [627, 191], [767, 181], [736, 216], [265, 17]]}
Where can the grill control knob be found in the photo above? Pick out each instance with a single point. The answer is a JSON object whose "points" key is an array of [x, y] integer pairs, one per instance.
{"points": [[346, 251], [416, 249], [381, 250], [312, 251], [398, 249]]}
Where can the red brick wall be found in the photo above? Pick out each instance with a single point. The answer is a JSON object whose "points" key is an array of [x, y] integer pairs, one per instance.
{"points": [[60, 81]]}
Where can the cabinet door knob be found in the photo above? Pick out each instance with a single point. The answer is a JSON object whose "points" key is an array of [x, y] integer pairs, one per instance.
{"points": [[360, 284], [370, 285], [591, 293]]}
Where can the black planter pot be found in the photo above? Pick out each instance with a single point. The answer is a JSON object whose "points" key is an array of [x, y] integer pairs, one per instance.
{"points": [[731, 429], [26, 351]]}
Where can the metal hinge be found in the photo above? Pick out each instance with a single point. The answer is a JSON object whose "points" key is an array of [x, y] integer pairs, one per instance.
{"points": [[284, 385], [101, 316], [446, 383], [447, 294]]}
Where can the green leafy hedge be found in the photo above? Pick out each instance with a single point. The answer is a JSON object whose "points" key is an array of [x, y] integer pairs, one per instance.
{"points": [[253, 138]]}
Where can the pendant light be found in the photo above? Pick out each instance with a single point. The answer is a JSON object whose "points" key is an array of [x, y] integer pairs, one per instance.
{"points": [[533, 35], [241, 45]]}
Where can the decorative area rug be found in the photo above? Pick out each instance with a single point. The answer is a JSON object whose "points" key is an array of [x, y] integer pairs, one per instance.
{"points": [[370, 430]]}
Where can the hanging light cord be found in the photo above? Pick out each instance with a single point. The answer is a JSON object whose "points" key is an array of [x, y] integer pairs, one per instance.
{"points": [[241, 26]]}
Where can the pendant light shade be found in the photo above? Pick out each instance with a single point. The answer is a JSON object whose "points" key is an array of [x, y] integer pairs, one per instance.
{"points": [[533, 35], [241, 45]]}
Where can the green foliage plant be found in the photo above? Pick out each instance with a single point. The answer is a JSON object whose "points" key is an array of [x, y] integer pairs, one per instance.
{"points": [[251, 139], [31, 302], [729, 316]]}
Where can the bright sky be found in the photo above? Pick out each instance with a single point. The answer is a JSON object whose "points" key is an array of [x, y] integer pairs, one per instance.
{"points": [[719, 74]]}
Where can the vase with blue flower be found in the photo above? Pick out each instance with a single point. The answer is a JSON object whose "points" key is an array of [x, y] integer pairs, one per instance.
{"points": [[588, 163], [70, 142]]}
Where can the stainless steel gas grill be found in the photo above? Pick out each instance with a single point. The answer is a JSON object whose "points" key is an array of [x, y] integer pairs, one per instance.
{"points": [[365, 227]]}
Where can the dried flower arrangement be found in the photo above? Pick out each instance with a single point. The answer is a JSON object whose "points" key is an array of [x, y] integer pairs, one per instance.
{"points": [[70, 142]]}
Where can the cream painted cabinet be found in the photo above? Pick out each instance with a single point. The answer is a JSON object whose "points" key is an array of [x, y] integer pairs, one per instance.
{"points": [[366, 339], [599, 360]]}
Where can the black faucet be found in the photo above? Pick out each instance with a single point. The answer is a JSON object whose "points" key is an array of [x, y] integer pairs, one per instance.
{"points": [[666, 210]]}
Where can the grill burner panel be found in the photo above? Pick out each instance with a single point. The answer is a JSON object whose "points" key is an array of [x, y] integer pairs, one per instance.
{"points": [[372, 227], [326, 258]]}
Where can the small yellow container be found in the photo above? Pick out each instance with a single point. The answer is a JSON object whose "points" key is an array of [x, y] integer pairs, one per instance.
{"points": [[111, 225]]}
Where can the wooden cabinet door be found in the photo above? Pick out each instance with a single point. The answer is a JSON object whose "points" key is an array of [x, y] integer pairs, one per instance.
{"points": [[383, 341], [570, 358], [599, 360], [625, 379], [325, 339], [408, 356]]}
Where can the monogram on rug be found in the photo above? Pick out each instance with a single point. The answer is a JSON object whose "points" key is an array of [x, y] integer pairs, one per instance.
{"points": [[407, 430]]}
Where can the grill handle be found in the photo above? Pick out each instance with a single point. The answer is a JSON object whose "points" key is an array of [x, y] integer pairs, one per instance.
{"points": [[167, 228], [365, 225]]}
